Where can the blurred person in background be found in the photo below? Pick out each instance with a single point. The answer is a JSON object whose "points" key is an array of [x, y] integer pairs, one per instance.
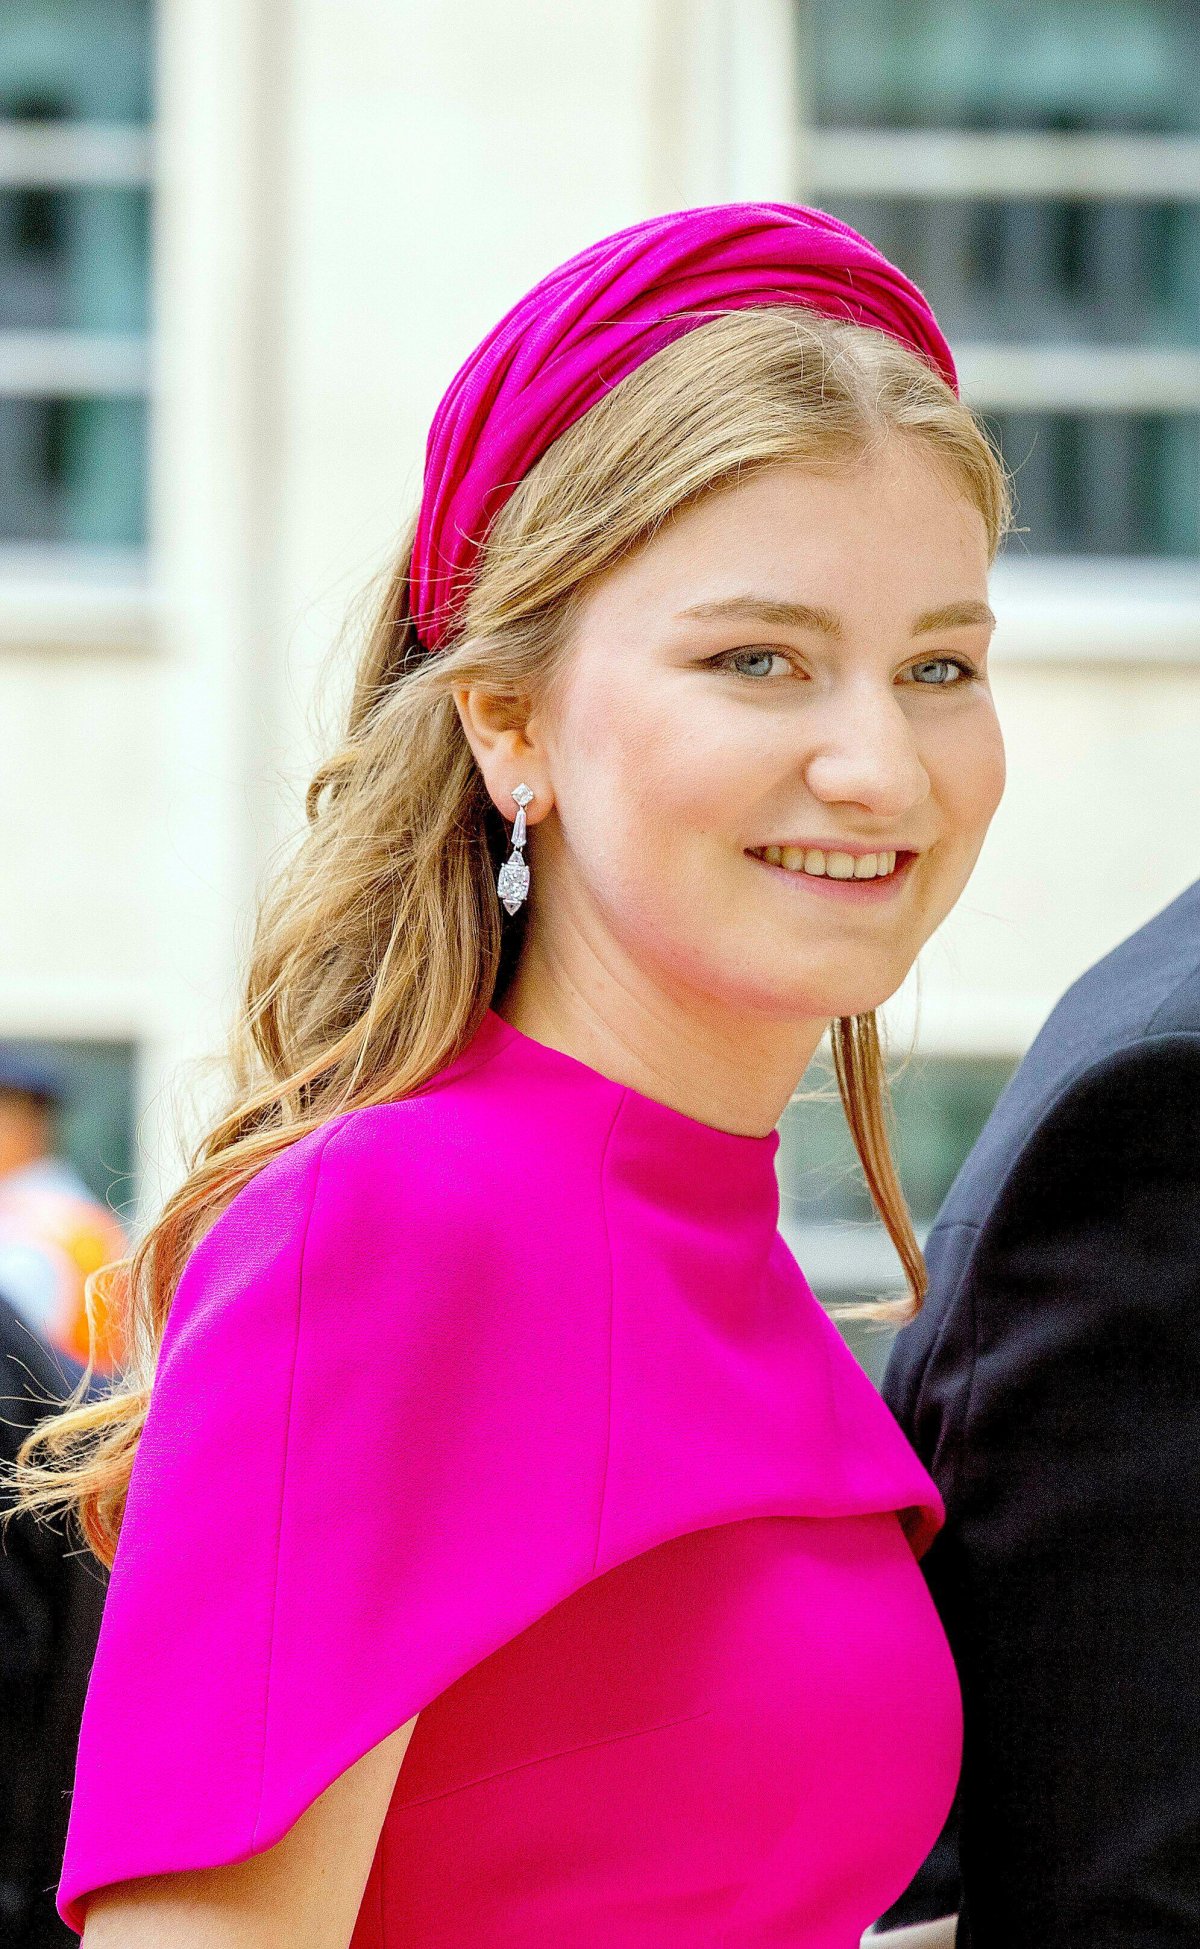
{"points": [[51, 1601], [1052, 1387], [53, 1230]]}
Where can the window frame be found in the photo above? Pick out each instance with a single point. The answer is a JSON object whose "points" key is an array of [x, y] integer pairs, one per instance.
{"points": [[1062, 608], [55, 594]]}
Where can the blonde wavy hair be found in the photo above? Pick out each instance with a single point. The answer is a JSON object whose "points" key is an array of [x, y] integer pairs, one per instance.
{"points": [[379, 946]]}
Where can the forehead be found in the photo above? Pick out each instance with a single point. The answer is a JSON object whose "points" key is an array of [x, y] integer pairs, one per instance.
{"points": [[893, 523]]}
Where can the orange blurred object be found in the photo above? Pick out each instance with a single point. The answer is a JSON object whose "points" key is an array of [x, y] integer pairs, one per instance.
{"points": [[53, 1233]]}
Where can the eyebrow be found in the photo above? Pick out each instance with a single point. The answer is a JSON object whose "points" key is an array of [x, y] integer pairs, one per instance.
{"points": [[804, 615]]}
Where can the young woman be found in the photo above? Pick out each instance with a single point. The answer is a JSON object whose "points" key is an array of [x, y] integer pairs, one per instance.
{"points": [[510, 1552]]}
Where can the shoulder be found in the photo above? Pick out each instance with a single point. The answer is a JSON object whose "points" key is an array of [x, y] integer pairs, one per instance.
{"points": [[1094, 1195], [1051, 1133], [1094, 1222], [1147, 981], [478, 1138], [410, 1216], [375, 1451], [366, 1163], [1119, 1108], [356, 1169]]}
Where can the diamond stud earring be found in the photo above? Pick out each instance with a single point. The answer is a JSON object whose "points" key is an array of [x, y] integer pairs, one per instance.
{"points": [[512, 881]]}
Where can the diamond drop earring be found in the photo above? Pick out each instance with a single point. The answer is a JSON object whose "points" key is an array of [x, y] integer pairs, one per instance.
{"points": [[512, 881]]}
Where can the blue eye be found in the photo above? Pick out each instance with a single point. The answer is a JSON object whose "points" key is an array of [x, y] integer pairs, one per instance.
{"points": [[736, 660], [753, 656], [966, 671]]}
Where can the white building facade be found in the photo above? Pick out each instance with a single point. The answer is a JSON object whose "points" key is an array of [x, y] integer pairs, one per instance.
{"points": [[215, 434]]}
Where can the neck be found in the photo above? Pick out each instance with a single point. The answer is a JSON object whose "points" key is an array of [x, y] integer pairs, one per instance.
{"points": [[734, 1074]]}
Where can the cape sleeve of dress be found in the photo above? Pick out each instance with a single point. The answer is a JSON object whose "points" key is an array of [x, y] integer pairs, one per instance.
{"points": [[373, 1453]]}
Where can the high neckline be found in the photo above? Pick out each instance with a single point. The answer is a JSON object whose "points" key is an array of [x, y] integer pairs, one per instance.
{"points": [[495, 1031]]}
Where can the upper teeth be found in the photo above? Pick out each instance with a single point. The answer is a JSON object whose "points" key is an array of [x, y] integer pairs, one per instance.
{"points": [[834, 866]]}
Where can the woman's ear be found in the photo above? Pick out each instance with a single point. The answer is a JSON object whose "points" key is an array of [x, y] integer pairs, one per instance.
{"points": [[506, 747]]}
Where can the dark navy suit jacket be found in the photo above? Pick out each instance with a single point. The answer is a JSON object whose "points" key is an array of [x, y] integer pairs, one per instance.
{"points": [[1051, 1384], [51, 1602]]}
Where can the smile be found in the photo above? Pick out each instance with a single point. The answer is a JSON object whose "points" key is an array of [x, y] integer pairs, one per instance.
{"points": [[833, 866], [847, 875]]}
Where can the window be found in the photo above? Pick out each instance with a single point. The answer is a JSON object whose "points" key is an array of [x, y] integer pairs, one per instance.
{"points": [[826, 1214], [75, 190], [1036, 169]]}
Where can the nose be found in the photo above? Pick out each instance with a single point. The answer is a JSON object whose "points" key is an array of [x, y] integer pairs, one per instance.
{"points": [[863, 751]]}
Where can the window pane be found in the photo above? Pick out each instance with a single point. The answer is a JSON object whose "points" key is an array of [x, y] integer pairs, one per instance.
{"points": [[76, 60], [74, 260], [1029, 271], [1118, 65], [73, 470], [1102, 483], [941, 1103], [1032, 270]]}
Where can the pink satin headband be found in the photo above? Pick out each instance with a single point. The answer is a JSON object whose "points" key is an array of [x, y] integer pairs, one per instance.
{"points": [[596, 318]]}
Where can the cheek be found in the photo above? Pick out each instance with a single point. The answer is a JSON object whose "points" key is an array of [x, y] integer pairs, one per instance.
{"points": [[609, 791], [969, 770], [990, 770], [648, 794], [644, 765]]}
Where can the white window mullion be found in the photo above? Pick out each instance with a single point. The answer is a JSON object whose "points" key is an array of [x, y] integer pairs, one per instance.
{"points": [[1080, 378], [70, 155], [946, 164], [1096, 610], [45, 364], [764, 107]]}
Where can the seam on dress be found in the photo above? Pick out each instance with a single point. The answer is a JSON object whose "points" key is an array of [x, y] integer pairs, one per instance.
{"points": [[611, 1307], [287, 1431], [560, 1753]]}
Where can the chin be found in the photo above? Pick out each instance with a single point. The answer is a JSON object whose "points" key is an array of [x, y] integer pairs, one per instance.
{"points": [[857, 998], [817, 1002]]}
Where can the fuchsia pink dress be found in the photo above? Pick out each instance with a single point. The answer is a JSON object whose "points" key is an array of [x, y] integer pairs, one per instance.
{"points": [[507, 1405]]}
